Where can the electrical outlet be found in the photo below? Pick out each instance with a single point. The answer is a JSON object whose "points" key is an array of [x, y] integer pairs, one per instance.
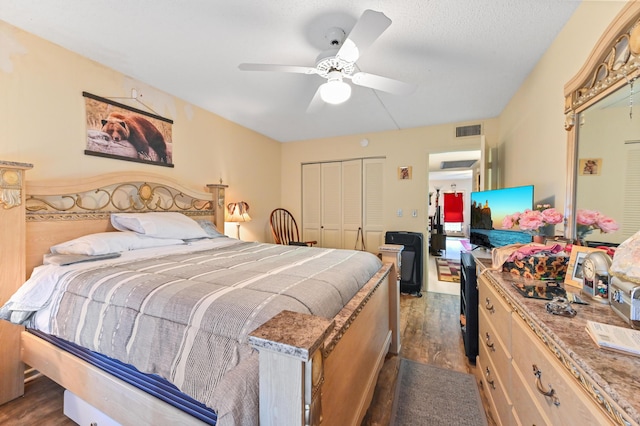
{"points": [[399, 212]]}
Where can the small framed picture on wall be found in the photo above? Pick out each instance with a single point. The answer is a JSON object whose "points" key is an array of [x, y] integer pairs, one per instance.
{"points": [[404, 172], [590, 166]]}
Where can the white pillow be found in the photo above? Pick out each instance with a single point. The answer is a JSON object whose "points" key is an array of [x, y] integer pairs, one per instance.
{"points": [[110, 242], [159, 225], [70, 259], [209, 228]]}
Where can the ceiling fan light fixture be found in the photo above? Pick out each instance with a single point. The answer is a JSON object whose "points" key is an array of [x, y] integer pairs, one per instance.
{"points": [[337, 63], [349, 51], [335, 91]]}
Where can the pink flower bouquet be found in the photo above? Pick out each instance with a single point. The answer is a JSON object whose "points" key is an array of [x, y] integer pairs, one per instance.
{"points": [[531, 221], [589, 220]]}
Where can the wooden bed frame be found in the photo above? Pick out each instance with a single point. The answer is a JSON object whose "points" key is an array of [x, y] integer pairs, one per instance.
{"points": [[325, 374]]}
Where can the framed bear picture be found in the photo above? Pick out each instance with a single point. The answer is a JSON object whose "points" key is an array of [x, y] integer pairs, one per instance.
{"points": [[115, 130]]}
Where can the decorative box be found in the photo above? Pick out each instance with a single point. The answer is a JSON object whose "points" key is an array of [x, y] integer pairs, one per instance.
{"points": [[624, 297], [539, 267]]}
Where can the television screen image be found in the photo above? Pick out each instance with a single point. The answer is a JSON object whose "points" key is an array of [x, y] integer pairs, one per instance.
{"points": [[488, 209]]}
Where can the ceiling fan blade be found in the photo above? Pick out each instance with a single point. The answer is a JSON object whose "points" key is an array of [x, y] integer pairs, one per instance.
{"points": [[316, 103], [278, 68], [383, 83], [368, 28]]}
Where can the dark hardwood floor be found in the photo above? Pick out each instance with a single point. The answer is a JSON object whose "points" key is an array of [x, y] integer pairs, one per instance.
{"points": [[40, 405], [430, 327], [430, 334]]}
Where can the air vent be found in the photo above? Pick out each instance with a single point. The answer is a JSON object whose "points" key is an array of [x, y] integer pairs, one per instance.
{"points": [[471, 130], [460, 164]]}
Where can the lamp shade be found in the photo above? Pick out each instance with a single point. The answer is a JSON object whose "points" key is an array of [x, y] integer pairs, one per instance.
{"points": [[335, 91], [238, 212]]}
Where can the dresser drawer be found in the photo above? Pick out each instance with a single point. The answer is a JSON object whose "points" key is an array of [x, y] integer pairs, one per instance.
{"points": [[527, 412], [82, 413], [569, 403], [494, 387], [497, 310], [494, 346]]}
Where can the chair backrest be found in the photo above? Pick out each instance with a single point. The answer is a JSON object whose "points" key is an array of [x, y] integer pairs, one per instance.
{"points": [[284, 227]]}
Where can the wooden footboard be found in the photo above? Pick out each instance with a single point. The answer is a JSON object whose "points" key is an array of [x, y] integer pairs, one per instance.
{"points": [[352, 367], [314, 371]]}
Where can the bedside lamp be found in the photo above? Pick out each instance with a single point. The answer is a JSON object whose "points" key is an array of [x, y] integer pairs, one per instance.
{"points": [[238, 212]]}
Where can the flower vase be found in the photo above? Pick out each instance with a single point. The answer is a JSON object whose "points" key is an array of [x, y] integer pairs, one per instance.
{"points": [[580, 238], [539, 239]]}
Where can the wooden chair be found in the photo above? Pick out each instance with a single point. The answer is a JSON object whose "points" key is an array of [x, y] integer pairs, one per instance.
{"points": [[285, 229]]}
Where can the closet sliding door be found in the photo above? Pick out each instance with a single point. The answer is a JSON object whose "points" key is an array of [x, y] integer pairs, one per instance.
{"points": [[331, 204], [373, 203], [342, 204], [352, 204], [311, 202]]}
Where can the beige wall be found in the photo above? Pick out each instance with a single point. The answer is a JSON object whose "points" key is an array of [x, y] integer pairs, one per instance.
{"points": [[532, 141], [410, 147], [43, 123]]}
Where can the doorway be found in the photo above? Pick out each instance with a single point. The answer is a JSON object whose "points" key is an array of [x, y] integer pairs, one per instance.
{"points": [[454, 174]]}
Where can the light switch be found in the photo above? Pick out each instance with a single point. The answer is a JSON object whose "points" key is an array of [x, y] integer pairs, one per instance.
{"points": [[414, 213], [399, 212]]}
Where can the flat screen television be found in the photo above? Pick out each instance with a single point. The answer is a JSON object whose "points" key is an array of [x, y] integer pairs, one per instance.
{"points": [[488, 208]]}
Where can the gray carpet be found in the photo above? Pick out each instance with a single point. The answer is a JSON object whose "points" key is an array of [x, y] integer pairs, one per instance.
{"points": [[428, 395]]}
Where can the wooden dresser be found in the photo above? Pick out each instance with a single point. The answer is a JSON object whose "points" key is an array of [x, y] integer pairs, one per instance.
{"points": [[542, 369]]}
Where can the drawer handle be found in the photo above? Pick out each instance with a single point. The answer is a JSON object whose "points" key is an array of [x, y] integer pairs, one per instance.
{"points": [[551, 393], [489, 344], [489, 306], [487, 374]]}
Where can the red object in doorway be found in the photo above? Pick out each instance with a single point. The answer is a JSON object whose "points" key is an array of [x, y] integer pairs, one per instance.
{"points": [[453, 207]]}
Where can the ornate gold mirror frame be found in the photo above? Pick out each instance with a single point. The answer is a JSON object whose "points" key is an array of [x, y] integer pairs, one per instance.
{"points": [[613, 63]]}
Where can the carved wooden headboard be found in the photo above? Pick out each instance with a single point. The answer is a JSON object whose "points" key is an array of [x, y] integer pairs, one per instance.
{"points": [[60, 210]]}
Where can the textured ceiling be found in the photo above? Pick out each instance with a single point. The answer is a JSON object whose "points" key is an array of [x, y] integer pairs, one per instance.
{"points": [[467, 57]]}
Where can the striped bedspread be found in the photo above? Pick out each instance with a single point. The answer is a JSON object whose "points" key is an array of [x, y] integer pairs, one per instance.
{"points": [[186, 316]]}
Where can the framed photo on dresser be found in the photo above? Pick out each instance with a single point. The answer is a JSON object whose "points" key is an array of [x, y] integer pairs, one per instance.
{"points": [[574, 269]]}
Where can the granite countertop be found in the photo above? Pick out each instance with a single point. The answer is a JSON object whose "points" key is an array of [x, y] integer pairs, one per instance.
{"points": [[618, 375], [15, 164]]}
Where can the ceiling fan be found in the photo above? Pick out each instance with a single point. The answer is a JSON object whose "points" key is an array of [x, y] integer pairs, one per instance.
{"points": [[339, 63]]}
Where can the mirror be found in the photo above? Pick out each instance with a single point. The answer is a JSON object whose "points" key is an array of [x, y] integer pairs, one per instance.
{"points": [[608, 162], [602, 117]]}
